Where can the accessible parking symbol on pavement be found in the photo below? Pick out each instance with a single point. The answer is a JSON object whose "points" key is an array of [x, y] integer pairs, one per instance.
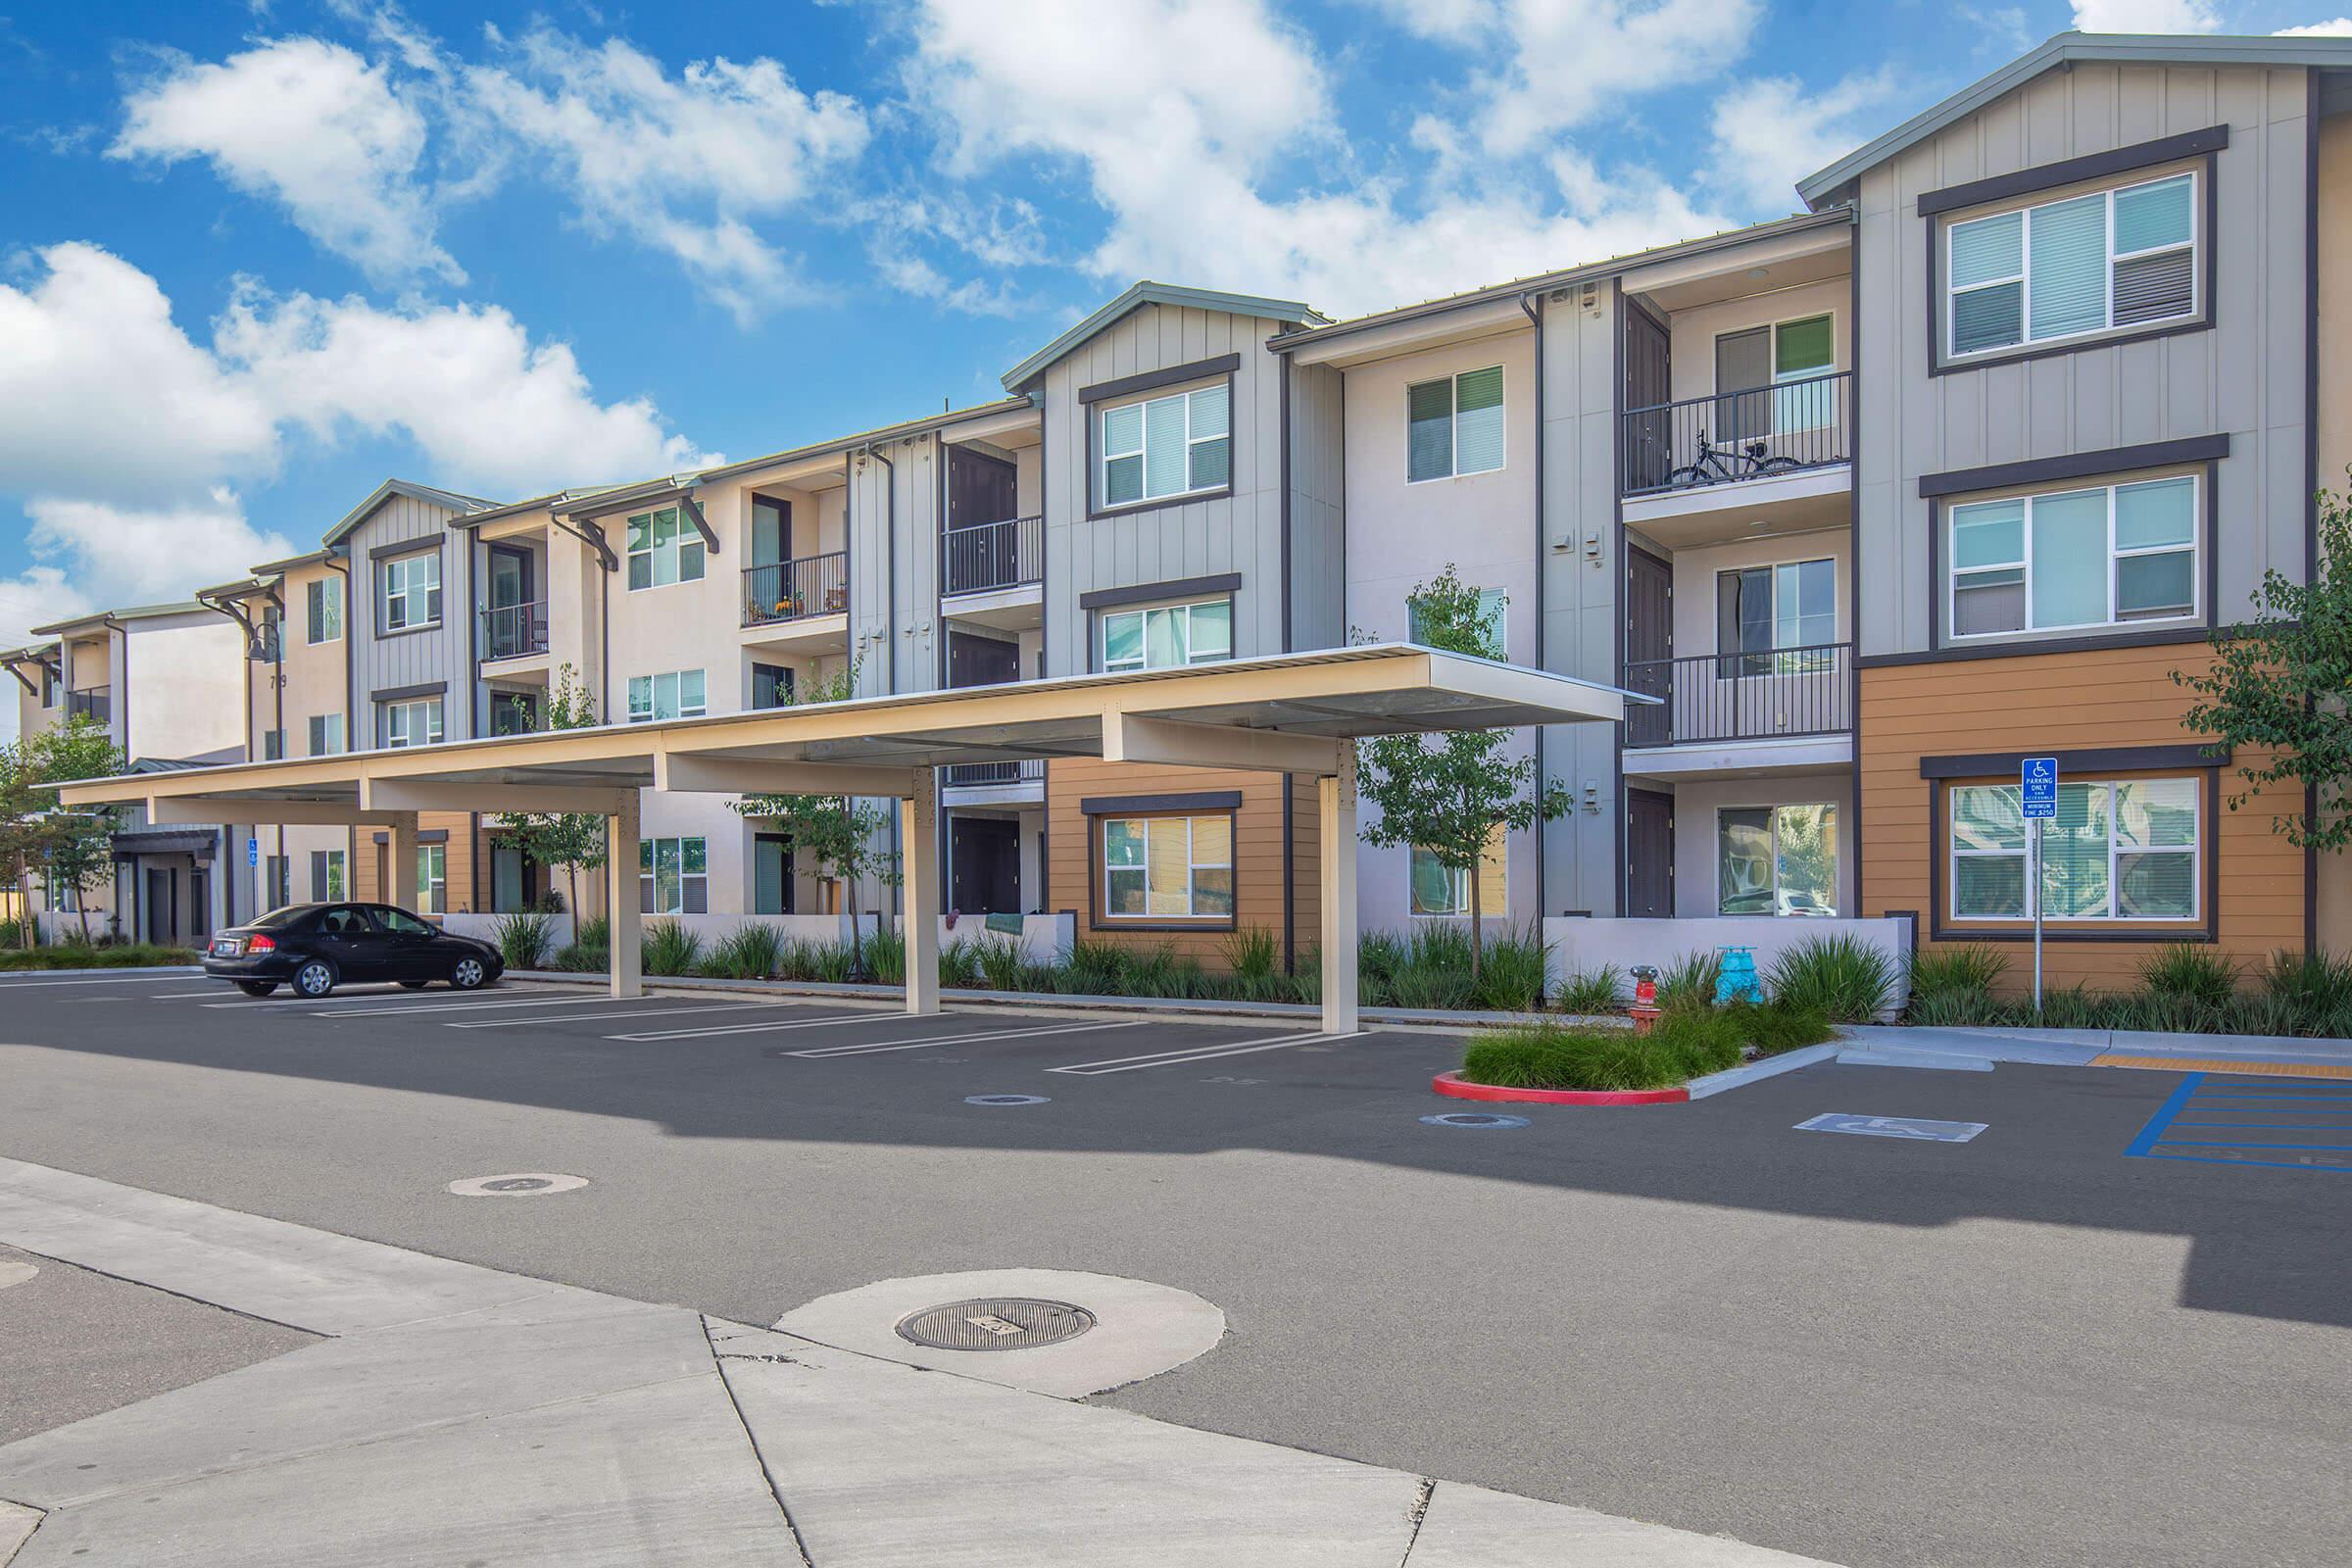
{"points": [[1912, 1127]]}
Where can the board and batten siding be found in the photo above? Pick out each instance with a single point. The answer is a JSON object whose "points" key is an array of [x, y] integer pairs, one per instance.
{"points": [[1240, 532], [1318, 509], [416, 657], [2244, 378]]}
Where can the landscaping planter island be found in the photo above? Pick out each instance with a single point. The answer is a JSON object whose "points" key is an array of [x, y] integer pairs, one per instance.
{"points": [[1454, 1086]]}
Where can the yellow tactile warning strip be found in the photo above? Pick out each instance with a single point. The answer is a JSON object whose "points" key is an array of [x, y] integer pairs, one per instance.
{"points": [[2268, 1069]]}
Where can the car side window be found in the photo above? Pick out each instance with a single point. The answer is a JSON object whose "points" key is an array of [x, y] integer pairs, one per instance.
{"points": [[343, 923], [401, 924]]}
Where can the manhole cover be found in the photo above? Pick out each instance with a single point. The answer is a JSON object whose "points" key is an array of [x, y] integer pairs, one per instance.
{"points": [[516, 1184], [1006, 1099], [1473, 1118], [996, 1323]]}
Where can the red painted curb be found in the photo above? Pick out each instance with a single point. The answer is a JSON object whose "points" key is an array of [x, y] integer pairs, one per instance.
{"points": [[1451, 1084]]}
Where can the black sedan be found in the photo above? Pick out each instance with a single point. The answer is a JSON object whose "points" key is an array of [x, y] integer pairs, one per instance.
{"points": [[317, 946]]}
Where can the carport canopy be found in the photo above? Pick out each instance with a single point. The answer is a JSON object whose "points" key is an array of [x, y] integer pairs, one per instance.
{"points": [[1290, 713]]}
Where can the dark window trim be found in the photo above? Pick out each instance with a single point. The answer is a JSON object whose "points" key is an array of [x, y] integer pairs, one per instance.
{"points": [[1154, 380], [2107, 759], [2075, 466], [404, 693], [1229, 808], [1181, 588], [1093, 418], [2074, 171], [438, 835], [1195, 803], [1943, 928], [401, 549], [386, 634], [2190, 631], [1940, 365], [1184, 500]]}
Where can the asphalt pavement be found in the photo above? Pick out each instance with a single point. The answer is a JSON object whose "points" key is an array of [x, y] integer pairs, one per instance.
{"points": [[2025, 1348]]}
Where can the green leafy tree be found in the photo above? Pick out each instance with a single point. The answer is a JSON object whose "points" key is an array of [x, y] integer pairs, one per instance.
{"points": [[841, 836], [72, 849], [1448, 794], [570, 841], [2278, 687]]}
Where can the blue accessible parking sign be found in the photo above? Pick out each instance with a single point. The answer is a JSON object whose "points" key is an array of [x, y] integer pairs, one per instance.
{"points": [[2037, 779]]}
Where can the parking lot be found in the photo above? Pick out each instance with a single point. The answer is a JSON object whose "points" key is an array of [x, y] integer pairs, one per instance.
{"points": [[2040, 1345]]}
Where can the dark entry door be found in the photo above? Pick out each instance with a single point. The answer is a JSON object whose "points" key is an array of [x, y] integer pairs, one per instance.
{"points": [[1648, 855], [984, 865], [981, 661], [200, 904], [163, 921], [1649, 646], [1648, 386], [980, 488], [511, 626]]}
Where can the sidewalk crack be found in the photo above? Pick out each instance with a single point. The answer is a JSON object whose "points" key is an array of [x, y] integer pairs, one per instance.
{"points": [[775, 1489], [1428, 1488]]}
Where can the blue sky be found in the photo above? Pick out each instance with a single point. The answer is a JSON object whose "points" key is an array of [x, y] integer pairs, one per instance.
{"points": [[255, 258]]}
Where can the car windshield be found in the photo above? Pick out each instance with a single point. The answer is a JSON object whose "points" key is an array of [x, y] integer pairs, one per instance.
{"points": [[278, 918]]}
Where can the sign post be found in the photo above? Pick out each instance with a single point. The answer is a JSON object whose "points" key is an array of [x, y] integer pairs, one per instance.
{"points": [[2037, 797]]}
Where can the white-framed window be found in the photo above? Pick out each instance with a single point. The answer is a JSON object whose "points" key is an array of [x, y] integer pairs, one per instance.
{"points": [[1776, 860], [673, 876], [412, 591], [1763, 611], [1177, 445], [1437, 890], [323, 602], [1453, 425], [1167, 868], [673, 693], [327, 875], [416, 722], [663, 547], [327, 734], [432, 879], [2067, 559], [2121, 850], [1494, 608], [2067, 269], [1168, 636]]}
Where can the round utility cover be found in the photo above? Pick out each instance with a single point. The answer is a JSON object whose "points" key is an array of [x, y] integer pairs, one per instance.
{"points": [[1474, 1118], [517, 1184], [996, 1323], [1006, 1099]]}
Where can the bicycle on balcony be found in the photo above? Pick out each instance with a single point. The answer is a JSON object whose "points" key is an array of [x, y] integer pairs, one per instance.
{"points": [[1716, 464]]}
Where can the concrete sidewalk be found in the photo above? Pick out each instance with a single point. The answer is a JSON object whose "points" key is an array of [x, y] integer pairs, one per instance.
{"points": [[2080, 1047], [463, 1415]]}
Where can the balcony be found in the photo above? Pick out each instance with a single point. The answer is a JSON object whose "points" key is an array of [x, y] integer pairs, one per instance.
{"points": [[514, 631], [981, 782], [799, 589], [985, 557], [1732, 438], [1790, 694], [94, 703]]}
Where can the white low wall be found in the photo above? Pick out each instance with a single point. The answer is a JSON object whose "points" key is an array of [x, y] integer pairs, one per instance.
{"points": [[1043, 938], [1578, 945]]}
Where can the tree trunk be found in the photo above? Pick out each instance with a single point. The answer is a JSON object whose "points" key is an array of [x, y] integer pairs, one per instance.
{"points": [[1477, 917], [82, 904]]}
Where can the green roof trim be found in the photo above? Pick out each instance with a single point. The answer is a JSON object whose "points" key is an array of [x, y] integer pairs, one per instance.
{"points": [[2067, 48], [1148, 292]]}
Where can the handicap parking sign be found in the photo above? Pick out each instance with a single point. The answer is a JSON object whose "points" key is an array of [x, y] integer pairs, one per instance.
{"points": [[2038, 781]]}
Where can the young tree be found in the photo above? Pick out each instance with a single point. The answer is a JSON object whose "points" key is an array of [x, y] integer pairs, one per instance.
{"points": [[72, 849], [2279, 684], [841, 837], [570, 841], [1448, 794]]}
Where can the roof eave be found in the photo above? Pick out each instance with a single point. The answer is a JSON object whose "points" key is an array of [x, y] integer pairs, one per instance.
{"points": [[1148, 292]]}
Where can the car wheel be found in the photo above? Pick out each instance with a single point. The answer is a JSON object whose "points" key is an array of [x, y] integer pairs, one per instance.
{"points": [[257, 988], [315, 979], [468, 974], [415, 985]]}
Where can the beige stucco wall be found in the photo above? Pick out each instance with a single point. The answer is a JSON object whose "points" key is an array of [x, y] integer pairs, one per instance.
{"points": [[184, 687], [1692, 357], [1698, 803]]}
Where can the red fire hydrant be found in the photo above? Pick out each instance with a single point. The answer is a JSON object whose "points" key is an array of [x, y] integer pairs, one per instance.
{"points": [[1645, 1011]]}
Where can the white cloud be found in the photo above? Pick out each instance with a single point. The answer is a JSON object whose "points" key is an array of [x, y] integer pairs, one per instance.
{"points": [[312, 125], [1450, 20], [127, 556], [2145, 16], [1772, 131], [2334, 27], [1570, 61], [683, 163]]}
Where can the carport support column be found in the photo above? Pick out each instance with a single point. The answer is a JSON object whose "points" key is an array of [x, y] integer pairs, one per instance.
{"points": [[400, 869], [918, 870], [1337, 866], [621, 899]]}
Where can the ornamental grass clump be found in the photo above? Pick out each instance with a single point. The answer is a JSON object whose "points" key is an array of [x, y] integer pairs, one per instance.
{"points": [[1842, 977]]}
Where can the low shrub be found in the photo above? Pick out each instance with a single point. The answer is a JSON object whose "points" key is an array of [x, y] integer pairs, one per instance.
{"points": [[2315, 986], [750, 952], [1002, 967], [1970, 967], [886, 958], [579, 959], [1511, 972], [1690, 981], [1842, 977], [76, 955], [2186, 972], [523, 939], [1551, 1055], [669, 948], [1596, 992], [1781, 1025], [960, 963]]}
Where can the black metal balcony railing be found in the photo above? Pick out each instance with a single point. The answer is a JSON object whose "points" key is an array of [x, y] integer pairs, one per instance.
{"points": [[992, 775], [1742, 697], [511, 631], [790, 590], [95, 704], [986, 556], [1761, 434]]}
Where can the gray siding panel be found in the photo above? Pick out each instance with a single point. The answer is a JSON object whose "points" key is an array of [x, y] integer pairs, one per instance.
{"points": [[411, 659], [2244, 378], [1318, 509]]}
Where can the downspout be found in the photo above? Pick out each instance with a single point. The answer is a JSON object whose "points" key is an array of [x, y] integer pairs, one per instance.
{"points": [[890, 628], [1534, 318], [338, 562]]}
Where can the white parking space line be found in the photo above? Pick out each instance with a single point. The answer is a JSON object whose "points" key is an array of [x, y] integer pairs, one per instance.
{"points": [[624, 1012], [821, 1052], [188, 996], [760, 1028], [110, 980], [381, 1010], [1179, 1058]]}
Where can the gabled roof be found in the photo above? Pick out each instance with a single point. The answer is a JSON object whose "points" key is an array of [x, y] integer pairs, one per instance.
{"points": [[384, 492], [1151, 293], [278, 568], [2128, 48], [101, 617]]}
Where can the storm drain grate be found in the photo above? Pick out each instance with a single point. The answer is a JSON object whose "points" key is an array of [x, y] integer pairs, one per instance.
{"points": [[996, 1323], [1473, 1118]]}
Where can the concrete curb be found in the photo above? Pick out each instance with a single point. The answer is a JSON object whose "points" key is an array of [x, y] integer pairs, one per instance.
{"points": [[1716, 1083], [107, 969], [1455, 1087]]}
